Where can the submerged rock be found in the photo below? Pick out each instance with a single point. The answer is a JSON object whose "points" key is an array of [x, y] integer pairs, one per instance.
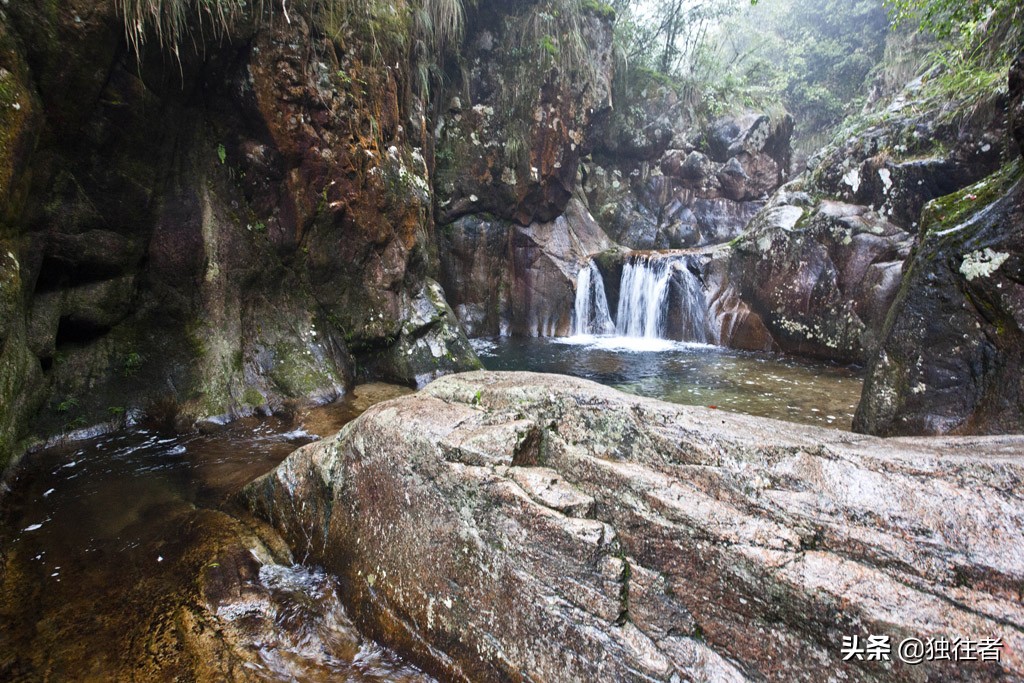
{"points": [[502, 526]]}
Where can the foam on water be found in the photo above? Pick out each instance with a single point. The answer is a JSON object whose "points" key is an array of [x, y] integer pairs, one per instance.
{"points": [[660, 298], [629, 344]]}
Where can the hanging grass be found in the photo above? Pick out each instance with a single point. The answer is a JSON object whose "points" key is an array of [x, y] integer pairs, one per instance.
{"points": [[550, 40], [173, 22]]}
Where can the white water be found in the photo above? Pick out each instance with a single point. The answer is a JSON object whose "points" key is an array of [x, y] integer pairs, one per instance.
{"points": [[644, 299], [694, 307], [591, 314], [627, 344]]}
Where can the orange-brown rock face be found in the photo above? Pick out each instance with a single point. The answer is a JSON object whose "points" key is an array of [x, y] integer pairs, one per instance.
{"points": [[352, 193], [214, 230]]}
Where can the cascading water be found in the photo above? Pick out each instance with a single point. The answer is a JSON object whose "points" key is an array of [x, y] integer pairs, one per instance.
{"points": [[642, 297], [591, 315], [693, 322], [659, 298]]}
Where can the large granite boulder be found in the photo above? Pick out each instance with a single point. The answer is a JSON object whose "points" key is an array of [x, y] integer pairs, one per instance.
{"points": [[817, 270], [514, 526], [647, 117], [754, 152], [820, 276], [732, 322], [953, 348], [651, 210]]}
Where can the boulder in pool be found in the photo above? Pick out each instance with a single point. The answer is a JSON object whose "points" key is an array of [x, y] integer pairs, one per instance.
{"points": [[516, 526]]}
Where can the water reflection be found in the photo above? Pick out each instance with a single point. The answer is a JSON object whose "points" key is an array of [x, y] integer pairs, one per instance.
{"points": [[767, 385], [95, 536]]}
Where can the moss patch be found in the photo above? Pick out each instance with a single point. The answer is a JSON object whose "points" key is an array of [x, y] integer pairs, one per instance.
{"points": [[602, 9], [252, 398], [952, 210]]}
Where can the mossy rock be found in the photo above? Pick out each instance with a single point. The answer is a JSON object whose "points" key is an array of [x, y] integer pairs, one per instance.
{"points": [[954, 209], [952, 349]]}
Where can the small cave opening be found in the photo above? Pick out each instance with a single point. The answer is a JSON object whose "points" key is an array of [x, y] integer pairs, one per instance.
{"points": [[75, 331], [57, 273]]}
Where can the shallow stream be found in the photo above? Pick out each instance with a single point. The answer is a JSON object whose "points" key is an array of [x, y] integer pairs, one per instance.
{"points": [[98, 535]]}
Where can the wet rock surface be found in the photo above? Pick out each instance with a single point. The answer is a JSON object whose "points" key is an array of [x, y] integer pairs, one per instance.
{"points": [[952, 349], [506, 526], [821, 277], [910, 151], [510, 143], [210, 234], [821, 265], [503, 278], [951, 357], [734, 323]]}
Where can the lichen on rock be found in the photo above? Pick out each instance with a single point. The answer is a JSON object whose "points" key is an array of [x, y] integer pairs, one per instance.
{"points": [[470, 521]]}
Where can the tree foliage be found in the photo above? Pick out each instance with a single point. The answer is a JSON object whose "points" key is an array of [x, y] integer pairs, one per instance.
{"points": [[812, 55], [809, 56], [670, 36], [949, 18]]}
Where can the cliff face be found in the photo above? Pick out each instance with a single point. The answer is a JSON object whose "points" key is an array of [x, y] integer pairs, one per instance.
{"points": [[952, 349], [679, 186], [211, 232], [535, 84], [822, 264], [536, 94]]}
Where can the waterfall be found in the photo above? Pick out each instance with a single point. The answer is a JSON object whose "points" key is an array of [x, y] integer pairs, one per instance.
{"points": [[642, 297], [693, 323], [591, 312], [659, 298]]}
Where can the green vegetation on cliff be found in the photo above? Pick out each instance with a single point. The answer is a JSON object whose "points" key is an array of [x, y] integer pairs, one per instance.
{"points": [[724, 55]]}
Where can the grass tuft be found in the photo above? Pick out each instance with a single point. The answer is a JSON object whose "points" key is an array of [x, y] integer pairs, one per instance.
{"points": [[173, 22]]}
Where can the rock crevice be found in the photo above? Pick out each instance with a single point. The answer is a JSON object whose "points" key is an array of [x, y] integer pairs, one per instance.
{"points": [[653, 540]]}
